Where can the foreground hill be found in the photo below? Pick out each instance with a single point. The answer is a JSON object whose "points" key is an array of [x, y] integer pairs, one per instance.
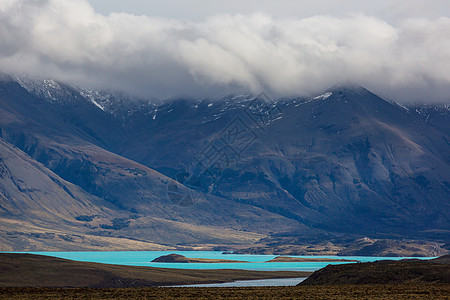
{"points": [[435, 271]]}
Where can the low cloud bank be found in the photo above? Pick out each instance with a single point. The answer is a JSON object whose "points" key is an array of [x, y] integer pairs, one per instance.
{"points": [[161, 57]]}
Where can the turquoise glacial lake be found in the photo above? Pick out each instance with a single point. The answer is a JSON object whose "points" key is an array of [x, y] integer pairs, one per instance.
{"points": [[255, 262]]}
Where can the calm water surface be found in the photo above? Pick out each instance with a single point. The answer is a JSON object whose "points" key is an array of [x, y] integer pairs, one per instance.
{"points": [[255, 262], [247, 283]]}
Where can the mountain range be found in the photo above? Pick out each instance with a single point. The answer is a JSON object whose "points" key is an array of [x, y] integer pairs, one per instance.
{"points": [[85, 169]]}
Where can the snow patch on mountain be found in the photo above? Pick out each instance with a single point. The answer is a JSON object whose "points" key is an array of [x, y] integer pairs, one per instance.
{"points": [[95, 97], [323, 96], [44, 88]]}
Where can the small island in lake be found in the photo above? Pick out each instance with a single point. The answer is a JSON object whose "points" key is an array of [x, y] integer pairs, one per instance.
{"points": [[177, 258], [309, 259]]}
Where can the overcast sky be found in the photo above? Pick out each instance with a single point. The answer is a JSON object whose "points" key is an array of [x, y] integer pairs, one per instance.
{"points": [[200, 48], [199, 10]]}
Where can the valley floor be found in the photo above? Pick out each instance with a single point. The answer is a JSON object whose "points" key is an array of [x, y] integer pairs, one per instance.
{"points": [[410, 291]]}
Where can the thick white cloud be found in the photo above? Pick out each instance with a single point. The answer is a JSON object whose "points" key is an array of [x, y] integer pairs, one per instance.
{"points": [[164, 57]]}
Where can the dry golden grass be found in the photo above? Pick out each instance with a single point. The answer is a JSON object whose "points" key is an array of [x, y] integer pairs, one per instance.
{"points": [[424, 291]]}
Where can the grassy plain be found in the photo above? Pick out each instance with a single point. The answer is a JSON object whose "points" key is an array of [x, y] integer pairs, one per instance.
{"points": [[409, 291]]}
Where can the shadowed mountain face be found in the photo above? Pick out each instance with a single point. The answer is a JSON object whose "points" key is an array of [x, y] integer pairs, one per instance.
{"points": [[143, 204], [346, 161], [237, 169]]}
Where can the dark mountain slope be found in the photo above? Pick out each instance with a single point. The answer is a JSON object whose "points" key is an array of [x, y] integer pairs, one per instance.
{"points": [[434, 115], [362, 163], [346, 161], [40, 210], [151, 207], [31, 191]]}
